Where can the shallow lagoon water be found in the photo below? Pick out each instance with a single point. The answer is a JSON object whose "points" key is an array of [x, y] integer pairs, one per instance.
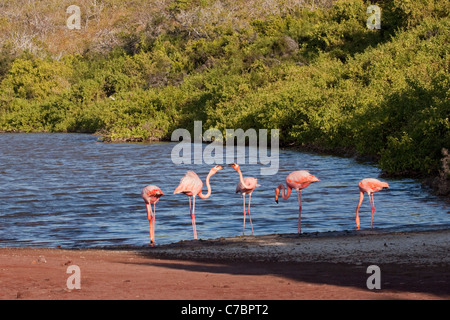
{"points": [[72, 191]]}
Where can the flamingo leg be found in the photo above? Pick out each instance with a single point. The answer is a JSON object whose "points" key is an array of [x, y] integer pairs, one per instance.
{"points": [[194, 227], [190, 207], [361, 198], [372, 204], [299, 195], [249, 199], [153, 222], [243, 210], [150, 221]]}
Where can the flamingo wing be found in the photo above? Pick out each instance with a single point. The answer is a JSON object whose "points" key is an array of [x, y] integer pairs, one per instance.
{"points": [[300, 179], [151, 193], [189, 184], [372, 185], [152, 190], [250, 182]]}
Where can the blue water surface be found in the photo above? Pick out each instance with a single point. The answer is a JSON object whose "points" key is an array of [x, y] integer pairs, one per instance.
{"points": [[72, 191]]}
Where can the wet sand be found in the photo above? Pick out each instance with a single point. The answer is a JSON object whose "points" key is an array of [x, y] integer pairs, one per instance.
{"points": [[333, 265]]}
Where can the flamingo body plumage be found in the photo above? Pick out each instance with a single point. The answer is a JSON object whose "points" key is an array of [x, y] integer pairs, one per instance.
{"points": [[151, 195], [369, 186], [296, 180], [190, 184], [248, 186]]}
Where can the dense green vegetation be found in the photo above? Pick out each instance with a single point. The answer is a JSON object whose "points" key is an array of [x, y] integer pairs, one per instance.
{"points": [[312, 69]]}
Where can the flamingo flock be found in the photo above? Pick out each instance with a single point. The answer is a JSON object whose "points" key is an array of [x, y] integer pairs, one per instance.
{"points": [[191, 185]]}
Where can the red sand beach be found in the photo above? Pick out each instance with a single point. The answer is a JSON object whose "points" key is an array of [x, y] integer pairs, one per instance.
{"points": [[413, 265]]}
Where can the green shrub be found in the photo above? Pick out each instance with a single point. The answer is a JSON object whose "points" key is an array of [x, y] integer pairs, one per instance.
{"points": [[320, 76]]}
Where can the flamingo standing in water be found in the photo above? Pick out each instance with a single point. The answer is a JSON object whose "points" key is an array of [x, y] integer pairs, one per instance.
{"points": [[151, 195], [191, 185], [370, 186], [297, 180], [245, 186]]}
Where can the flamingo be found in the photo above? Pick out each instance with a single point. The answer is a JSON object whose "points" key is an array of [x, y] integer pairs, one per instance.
{"points": [[245, 186], [370, 186], [191, 185], [151, 195], [297, 180]]}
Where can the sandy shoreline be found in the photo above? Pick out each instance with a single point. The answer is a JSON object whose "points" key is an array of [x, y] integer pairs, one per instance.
{"points": [[413, 265], [353, 247]]}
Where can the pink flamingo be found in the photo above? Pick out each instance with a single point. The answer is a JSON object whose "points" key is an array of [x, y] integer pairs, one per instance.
{"points": [[297, 180], [151, 195], [370, 186], [245, 186], [191, 185]]}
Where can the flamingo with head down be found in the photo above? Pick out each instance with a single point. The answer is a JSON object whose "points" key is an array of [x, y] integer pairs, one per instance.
{"points": [[370, 186], [151, 195], [191, 185], [297, 180]]}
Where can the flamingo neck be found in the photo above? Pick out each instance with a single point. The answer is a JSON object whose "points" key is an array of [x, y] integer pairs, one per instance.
{"points": [[205, 196], [361, 198], [285, 194], [149, 211]]}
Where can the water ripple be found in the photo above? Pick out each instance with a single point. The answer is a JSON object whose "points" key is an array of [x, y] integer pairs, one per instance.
{"points": [[72, 191]]}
